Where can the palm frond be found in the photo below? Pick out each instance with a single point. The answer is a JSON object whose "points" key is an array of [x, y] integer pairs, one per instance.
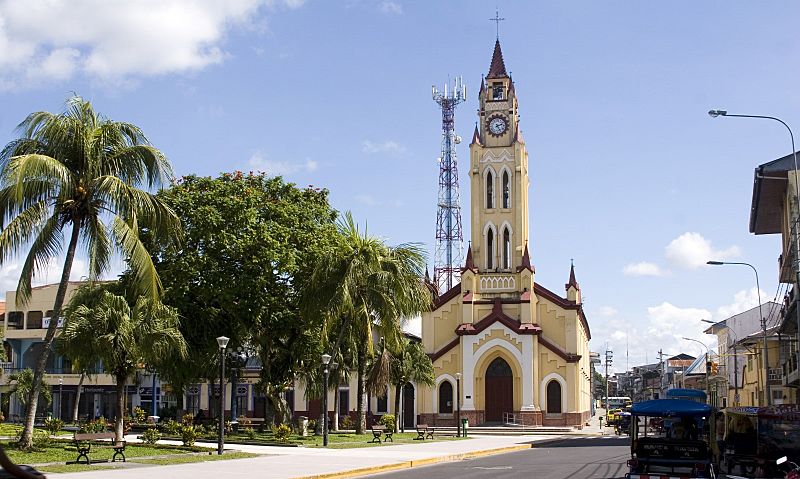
{"points": [[146, 277]]}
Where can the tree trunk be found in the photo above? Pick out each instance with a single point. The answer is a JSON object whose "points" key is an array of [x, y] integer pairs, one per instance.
{"points": [[361, 421], [336, 409], [119, 428], [279, 406], [397, 419], [26, 440], [78, 398]]}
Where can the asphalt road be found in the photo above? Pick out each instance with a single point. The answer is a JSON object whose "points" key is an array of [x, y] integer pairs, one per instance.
{"points": [[601, 457]]}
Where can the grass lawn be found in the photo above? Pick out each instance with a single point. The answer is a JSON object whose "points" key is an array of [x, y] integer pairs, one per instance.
{"points": [[11, 430], [155, 461], [65, 451]]}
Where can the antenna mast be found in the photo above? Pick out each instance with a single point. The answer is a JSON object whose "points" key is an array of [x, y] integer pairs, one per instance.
{"points": [[449, 238]]}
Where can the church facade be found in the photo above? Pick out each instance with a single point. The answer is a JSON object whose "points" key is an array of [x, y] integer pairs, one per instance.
{"points": [[503, 346]]}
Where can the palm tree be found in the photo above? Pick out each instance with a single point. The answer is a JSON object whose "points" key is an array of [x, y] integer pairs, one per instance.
{"points": [[367, 285], [22, 385], [79, 172], [102, 326], [411, 364]]}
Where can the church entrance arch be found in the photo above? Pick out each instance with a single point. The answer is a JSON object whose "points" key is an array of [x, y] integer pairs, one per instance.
{"points": [[499, 392], [553, 397]]}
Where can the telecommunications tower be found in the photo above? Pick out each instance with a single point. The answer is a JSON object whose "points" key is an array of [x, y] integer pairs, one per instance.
{"points": [[449, 238]]}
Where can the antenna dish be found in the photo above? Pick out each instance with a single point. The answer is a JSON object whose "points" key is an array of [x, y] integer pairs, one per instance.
{"points": [[458, 139]]}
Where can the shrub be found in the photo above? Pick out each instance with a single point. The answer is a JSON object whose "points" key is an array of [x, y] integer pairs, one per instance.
{"points": [[53, 425], [312, 425], [250, 432], [346, 422], [172, 427], [387, 420], [140, 415], [281, 432], [98, 425], [41, 439], [187, 419], [188, 435], [151, 436]]}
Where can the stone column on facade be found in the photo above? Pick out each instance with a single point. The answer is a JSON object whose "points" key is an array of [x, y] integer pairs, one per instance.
{"points": [[572, 381], [527, 374], [468, 371], [536, 376]]}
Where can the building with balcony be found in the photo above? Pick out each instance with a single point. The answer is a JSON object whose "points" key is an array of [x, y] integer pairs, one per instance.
{"points": [[741, 348], [25, 328], [775, 210]]}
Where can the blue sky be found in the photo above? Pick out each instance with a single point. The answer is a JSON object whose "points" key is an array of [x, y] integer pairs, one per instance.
{"points": [[629, 176]]}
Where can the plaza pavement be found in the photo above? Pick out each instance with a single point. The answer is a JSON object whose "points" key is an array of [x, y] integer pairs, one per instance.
{"points": [[302, 462]]}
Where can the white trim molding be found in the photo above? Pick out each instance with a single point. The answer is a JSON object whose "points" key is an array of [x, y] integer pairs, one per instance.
{"points": [[543, 391]]}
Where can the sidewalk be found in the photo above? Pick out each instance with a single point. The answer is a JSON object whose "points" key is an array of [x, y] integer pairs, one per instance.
{"points": [[301, 462]]}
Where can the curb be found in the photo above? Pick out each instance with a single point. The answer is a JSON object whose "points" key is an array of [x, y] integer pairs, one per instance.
{"points": [[416, 463]]}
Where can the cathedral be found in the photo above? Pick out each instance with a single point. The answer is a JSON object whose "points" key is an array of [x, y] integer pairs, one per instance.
{"points": [[504, 348]]}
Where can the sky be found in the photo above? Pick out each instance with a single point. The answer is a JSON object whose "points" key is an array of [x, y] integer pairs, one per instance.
{"points": [[630, 178]]}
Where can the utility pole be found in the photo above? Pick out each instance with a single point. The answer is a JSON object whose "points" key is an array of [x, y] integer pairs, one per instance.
{"points": [[609, 356], [661, 379]]}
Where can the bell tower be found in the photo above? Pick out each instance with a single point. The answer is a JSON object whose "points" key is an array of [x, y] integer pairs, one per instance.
{"points": [[499, 176]]}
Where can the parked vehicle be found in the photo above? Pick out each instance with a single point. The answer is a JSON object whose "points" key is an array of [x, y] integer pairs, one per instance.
{"points": [[680, 448], [755, 438]]}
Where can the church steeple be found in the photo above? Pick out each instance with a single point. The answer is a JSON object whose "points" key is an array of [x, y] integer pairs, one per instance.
{"points": [[498, 67]]}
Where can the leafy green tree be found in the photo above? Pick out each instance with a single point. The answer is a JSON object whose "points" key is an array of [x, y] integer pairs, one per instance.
{"points": [[79, 172], [104, 327], [366, 285], [250, 242], [22, 384]]}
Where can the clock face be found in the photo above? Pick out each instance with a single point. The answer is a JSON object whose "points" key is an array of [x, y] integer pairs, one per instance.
{"points": [[497, 126]]}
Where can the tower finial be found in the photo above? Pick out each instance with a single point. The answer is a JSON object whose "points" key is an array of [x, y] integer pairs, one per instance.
{"points": [[497, 21]]}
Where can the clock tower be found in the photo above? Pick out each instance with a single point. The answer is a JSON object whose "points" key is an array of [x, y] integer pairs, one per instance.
{"points": [[498, 175]]}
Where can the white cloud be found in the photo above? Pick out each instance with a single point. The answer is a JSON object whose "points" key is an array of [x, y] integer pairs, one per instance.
{"points": [[389, 147], [53, 40], [280, 168], [642, 269], [742, 301], [607, 311], [366, 199], [691, 250], [391, 8], [10, 272]]}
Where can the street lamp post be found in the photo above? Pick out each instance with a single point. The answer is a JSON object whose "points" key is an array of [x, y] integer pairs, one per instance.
{"points": [[222, 342], [60, 397], [767, 389], [326, 358], [458, 404], [716, 113]]}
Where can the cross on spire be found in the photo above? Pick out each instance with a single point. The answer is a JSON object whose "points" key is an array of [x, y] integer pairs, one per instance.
{"points": [[497, 21]]}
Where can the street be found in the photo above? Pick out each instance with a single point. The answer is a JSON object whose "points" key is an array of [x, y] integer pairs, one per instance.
{"points": [[600, 457]]}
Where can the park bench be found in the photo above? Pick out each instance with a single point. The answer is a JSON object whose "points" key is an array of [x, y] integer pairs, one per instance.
{"points": [[378, 430], [424, 431], [100, 440]]}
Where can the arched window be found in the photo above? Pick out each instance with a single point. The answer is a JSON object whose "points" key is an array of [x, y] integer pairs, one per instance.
{"points": [[506, 191], [553, 397], [506, 249], [490, 249], [445, 398], [489, 189]]}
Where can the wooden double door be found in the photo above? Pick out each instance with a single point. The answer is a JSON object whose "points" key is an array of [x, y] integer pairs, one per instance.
{"points": [[499, 393]]}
